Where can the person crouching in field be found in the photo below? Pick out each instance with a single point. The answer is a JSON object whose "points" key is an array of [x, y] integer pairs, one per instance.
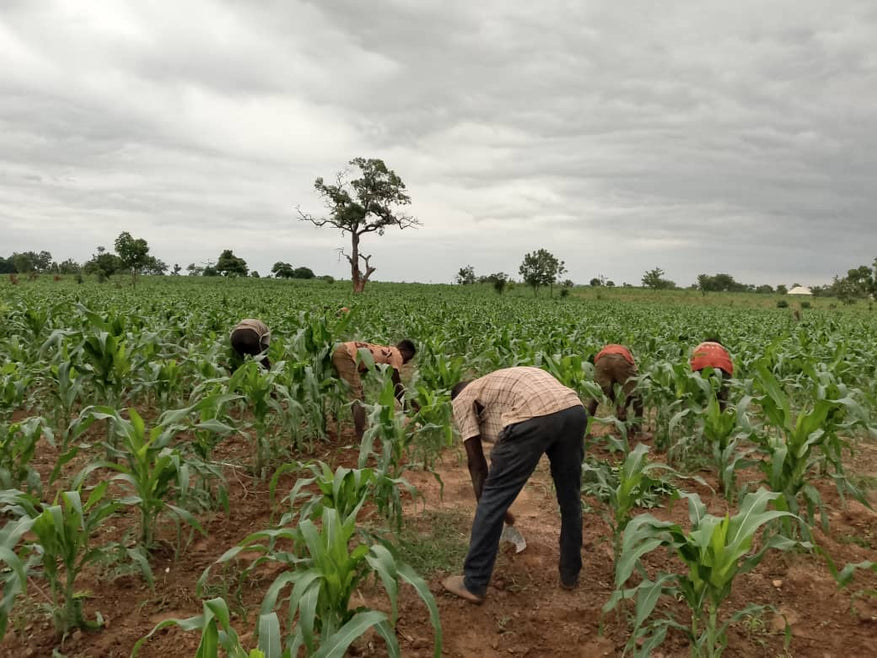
{"points": [[348, 365], [613, 365], [251, 337], [525, 413], [712, 354]]}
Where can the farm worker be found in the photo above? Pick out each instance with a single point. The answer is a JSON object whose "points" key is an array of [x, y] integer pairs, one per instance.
{"points": [[348, 365], [613, 365], [525, 413], [251, 337], [712, 354]]}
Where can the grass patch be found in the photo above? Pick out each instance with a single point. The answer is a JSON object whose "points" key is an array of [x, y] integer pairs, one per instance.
{"points": [[436, 541]]}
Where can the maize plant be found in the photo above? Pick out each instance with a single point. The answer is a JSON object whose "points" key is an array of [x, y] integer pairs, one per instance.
{"points": [[390, 428], [713, 553], [66, 391], [432, 424], [15, 388], [17, 560], [219, 639], [637, 482], [326, 565], [63, 543], [344, 490], [801, 444], [18, 443], [154, 473], [258, 389]]}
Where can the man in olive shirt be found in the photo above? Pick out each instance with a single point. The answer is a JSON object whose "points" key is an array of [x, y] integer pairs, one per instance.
{"points": [[525, 413]]}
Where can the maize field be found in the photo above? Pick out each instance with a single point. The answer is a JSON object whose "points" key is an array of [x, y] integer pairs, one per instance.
{"points": [[159, 501]]}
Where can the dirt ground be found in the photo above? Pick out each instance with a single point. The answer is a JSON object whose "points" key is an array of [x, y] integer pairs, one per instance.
{"points": [[525, 614]]}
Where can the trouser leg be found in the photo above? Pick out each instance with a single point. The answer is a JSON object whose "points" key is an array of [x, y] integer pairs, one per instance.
{"points": [[348, 372], [513, 460], [566, 454]]}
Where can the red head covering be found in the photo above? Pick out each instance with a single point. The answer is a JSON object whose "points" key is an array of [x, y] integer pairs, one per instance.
{"points": [[615, 349], [711, 355]]}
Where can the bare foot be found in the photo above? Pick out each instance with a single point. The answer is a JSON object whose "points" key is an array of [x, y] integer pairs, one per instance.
{"points": [[454, 584]]}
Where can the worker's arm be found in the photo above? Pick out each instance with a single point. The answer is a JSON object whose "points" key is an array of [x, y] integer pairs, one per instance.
{"points": [[400, 392], [478, 470]]}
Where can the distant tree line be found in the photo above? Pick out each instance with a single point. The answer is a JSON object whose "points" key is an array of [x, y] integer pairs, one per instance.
{"points": [[859, 283], [538, 269], [131, 257]]}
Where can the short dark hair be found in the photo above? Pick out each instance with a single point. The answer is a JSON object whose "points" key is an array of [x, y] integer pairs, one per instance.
{"points": [[406, 347], [458, 388]]}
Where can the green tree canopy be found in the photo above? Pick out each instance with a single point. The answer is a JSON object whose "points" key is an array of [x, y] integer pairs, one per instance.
{"points": [[367, 204], [655, 280], [466, 276], [103, 263], [541, 268], [282, 270], [230, 265], [133, 253]]}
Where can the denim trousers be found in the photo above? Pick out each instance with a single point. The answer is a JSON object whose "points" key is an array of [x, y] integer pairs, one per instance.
{"points": [[561, 436]]}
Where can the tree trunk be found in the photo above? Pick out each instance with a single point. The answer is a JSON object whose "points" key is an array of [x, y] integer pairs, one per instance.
{"points": [[355, 275], [359, 279]]}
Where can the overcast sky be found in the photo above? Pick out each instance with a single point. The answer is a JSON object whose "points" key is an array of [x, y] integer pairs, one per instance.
{"points": [[696, 136]]}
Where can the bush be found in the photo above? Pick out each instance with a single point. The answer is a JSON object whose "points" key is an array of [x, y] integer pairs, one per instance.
{"points": [[782, 303], [805, 304]]}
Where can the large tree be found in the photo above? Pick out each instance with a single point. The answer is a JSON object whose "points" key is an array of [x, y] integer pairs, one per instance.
{"points": [[104, 263], [655, 279], [230, 265], [133, 252], [28, 262], [368, 204], [282, 270], [466, 276], [541, 268]]}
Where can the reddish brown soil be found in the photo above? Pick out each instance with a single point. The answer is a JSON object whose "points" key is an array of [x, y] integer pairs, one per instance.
{"points": [[526, 613]]}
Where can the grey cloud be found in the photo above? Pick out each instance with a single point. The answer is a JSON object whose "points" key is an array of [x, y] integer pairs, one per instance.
{"points": [[745, 132]]}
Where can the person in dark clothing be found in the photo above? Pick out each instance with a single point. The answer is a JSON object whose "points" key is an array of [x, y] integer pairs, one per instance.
{"points": [[525, 413], [251, 337]]}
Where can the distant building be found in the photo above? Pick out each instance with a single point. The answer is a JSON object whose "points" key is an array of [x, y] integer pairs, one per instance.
{"points": [[800, 290]]}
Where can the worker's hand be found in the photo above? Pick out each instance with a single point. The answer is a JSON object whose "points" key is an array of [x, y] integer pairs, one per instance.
{"points": [[509, 518]]}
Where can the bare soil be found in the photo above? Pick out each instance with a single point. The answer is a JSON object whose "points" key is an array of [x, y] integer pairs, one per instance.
{"points": [[525, 613]]}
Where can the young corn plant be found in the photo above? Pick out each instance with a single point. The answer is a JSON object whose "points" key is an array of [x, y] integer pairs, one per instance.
{"points": [[17, 560], [257, 388], [155, 473], [344, 490], [431, 426], [218, 637], [803, 444], [66, 391], [15, 385], [723, 432], [714, 552], [637, 482], [63, 543], [389, 427], [326, 565], [18, 443]]}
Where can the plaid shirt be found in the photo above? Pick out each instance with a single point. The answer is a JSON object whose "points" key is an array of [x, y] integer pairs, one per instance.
{"points": [[509, 396]]}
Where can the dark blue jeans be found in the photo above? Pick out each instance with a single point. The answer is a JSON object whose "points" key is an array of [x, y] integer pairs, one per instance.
{"points": [[561, 436]]}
